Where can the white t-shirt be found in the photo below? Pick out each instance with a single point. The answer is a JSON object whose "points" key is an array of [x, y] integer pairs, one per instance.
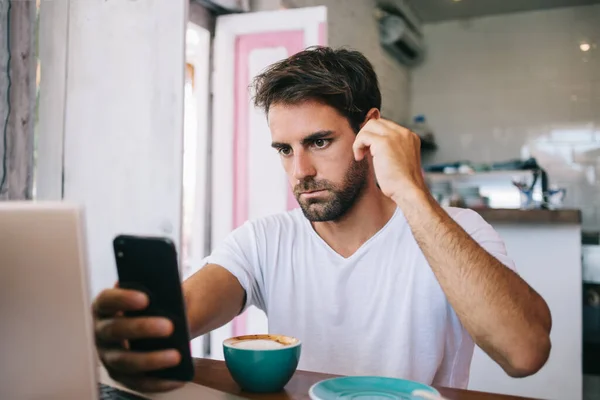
{"points": [[380, 311]]}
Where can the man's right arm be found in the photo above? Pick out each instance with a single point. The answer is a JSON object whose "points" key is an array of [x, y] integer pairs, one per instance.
{"points": [[213, 297]]}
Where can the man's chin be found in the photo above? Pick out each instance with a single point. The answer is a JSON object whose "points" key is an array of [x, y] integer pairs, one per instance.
{"points": [[317, 218], [318, 212], [314, 212]]}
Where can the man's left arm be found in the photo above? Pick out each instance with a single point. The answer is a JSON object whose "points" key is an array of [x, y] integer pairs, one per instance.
{"points": [[503, 314]]}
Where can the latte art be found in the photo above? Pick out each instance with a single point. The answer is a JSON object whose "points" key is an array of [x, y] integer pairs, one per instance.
{"points": [[258, 344]]}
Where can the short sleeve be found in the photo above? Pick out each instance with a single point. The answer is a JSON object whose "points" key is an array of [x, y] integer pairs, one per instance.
{"points": [[238, 254], [485, 235]]}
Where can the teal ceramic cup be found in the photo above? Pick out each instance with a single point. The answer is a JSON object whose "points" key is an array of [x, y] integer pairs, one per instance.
{"points": [[262, 363]]}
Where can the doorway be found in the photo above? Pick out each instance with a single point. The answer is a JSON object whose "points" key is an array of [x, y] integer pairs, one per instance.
{"points": [[196, 158]]}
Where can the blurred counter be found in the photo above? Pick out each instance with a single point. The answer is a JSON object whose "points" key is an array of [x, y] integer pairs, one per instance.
{"points": [[534, 216], [545, 246]]}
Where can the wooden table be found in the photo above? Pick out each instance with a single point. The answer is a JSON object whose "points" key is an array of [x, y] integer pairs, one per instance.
{"points": [[214, 374]]}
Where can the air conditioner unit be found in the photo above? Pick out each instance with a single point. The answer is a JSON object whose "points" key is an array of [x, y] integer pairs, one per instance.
{"points": [[400, 31], [221, 7]]}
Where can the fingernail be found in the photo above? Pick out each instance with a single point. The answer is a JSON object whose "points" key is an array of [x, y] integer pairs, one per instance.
{"points": [[173, 356], [165, 326], [140, 298]]}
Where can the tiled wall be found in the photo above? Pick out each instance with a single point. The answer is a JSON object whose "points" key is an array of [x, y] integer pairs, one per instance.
{"points": [[518, 85], [350, 23]]}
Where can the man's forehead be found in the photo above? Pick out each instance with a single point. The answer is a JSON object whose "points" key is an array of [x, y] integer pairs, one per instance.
{"points": [[295, 135], [295, 123]]}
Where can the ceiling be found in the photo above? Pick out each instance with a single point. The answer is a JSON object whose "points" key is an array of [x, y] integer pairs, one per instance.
{"points": [[441, 10]]}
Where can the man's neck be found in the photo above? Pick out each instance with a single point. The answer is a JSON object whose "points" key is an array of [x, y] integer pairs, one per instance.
{"points": [[368, 216]]}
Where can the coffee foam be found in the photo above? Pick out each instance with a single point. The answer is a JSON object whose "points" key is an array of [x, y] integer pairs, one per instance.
{"points": [[258, 344]]}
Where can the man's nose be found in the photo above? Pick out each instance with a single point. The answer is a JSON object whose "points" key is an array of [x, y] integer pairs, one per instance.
{"points": [[303, 167]]}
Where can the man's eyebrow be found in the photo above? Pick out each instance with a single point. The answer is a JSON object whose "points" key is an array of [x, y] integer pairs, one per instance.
{"points": [[308, 139], [278, 145], [315, 136]]}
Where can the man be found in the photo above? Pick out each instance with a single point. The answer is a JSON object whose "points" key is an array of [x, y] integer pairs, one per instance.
{"points": [[371, 273]]}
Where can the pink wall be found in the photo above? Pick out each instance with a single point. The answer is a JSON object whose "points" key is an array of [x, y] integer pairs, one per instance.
{"points": [[293, 41]]}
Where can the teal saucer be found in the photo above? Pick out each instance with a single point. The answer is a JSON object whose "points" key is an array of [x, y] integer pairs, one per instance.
{"points": [[366, 387]]}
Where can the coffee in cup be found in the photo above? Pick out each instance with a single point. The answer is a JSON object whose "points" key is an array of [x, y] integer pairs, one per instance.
{"points": [[262, 363]]}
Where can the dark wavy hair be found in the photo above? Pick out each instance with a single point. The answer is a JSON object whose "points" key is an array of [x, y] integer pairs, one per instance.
{"points": [[343, 79]]}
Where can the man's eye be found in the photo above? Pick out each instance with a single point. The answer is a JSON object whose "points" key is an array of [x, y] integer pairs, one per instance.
{"points": [[285, 151], [321, 143]]}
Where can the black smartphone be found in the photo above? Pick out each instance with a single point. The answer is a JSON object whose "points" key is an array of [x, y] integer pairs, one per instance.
{"points": [[150, 265]]}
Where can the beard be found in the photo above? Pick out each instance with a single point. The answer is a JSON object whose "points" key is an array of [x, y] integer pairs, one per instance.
{"points": [[338, 199]]}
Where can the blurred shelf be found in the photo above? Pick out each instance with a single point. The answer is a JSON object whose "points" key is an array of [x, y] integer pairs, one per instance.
{"points": [[535, 216], [479, 178]]}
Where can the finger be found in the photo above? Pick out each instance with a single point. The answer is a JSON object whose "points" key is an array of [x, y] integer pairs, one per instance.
{"points": [[375, 126], [110, 301], [146, 385], [363, 142], [131, 363], [122, 328], [387, 124], [398, 129]]}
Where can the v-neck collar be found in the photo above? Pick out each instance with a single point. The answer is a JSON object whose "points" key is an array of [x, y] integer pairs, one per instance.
{"points": [[362, 247]]}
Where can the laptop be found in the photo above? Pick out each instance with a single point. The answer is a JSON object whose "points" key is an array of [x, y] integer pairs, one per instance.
{"points": [[46, 339]]}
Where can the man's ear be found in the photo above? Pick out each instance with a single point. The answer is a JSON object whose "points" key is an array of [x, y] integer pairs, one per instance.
{"points": [[372, 114]]}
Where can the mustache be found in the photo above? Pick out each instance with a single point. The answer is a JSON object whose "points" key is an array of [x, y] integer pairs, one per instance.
{"points": [[310, 185]]}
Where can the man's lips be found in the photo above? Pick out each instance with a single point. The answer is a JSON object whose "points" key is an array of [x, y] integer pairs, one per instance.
{"points": [[312, 192]]}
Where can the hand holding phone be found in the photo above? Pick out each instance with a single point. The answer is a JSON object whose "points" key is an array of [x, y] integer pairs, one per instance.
{"points": [[112, 332], [150, 265]]}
